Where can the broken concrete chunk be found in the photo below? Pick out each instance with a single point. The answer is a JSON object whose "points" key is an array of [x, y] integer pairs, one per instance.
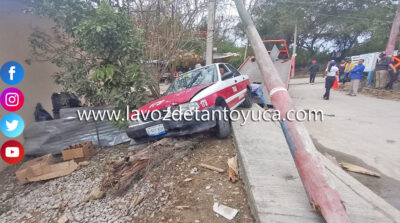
{"points": [[225, 211]]}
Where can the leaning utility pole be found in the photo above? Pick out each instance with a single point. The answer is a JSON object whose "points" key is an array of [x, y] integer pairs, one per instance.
{"points": [[210, 31], [312, 171], [394, 33]]}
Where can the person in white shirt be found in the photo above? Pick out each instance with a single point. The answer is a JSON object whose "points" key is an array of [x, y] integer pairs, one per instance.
{"points": [[331, 71]]}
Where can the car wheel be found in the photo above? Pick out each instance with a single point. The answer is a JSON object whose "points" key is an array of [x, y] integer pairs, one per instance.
{"points": [[247, 101], [223, 127]]}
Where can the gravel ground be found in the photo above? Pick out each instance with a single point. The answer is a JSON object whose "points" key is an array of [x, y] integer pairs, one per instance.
{"points": [[164, 195]]}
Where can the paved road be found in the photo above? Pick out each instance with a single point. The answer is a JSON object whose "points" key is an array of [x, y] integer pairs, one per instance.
{"points": [[275, 190], [364, 127]]}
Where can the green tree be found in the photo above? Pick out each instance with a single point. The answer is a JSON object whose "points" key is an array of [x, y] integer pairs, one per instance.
{"points": [[326, 25], [98, 51], [229, 47]]}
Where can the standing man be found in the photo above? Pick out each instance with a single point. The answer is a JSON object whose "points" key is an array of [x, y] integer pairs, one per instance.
{"points": [[356, 75], [348, 68], [331, 71], [393, 72], [314, 68], [382, 71]]}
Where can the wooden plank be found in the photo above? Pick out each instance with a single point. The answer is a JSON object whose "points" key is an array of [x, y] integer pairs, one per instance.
{"points": [[358, 188], [358, 169], [219, 170], [275, 191], [233, 169]]}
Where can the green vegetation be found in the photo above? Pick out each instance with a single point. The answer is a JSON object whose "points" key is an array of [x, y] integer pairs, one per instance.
{"points": [[342, 27], [228, 47], [98, 50], [110, 52]]}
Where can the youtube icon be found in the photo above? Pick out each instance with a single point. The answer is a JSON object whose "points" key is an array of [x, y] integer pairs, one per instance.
{"points": [[12, 152]]}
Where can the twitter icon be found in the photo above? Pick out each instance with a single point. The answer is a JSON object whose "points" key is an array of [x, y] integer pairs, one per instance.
{"points": [[12, 125]]}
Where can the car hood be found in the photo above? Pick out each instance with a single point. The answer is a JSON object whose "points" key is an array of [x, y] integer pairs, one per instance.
{"points": [[172, 99]]}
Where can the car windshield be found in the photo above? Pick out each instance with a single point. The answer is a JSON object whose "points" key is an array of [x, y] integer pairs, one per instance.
{"points": [[193, 78]]}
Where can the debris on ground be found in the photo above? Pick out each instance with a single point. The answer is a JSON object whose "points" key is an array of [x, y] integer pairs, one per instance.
{"points": [[120, 174], [84, 163], [138, 200], [95, 194], [41, 114], [225, 211], [44, 168], [64, 100], [158, 194], [233, 169], [381, 93], [358, 169], [78, 152], [63, 219], [219, 170], [182, 207], [41, 138], [194, 171]]}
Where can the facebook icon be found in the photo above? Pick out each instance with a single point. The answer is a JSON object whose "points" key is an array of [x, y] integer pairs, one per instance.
{"points": [[12, 73]]}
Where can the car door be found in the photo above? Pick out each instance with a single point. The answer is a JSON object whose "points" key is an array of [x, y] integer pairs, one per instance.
{"points": [[240, 83], [230, 90]]}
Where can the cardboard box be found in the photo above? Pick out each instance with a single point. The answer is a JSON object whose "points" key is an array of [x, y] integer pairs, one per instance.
{"points": [[44, 168], [78, 152]]}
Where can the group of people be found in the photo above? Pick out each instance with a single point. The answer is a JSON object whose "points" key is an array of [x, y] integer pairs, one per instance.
{"points": [[386, 70], [353, 72]]}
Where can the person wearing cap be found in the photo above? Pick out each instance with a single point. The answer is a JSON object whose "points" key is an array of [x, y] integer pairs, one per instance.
{"points": [[314, 68], [382, 71], [356, 75], [331, 71]]}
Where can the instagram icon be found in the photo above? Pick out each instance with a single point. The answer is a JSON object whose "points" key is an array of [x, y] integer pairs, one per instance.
{"points": [[12, 99]]}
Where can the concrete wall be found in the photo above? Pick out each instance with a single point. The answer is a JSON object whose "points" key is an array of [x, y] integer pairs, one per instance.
{"points": [[37, 85]]}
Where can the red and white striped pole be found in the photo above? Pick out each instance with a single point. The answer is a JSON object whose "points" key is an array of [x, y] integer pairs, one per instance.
{"points": [[394, 33], [316, 181]]}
